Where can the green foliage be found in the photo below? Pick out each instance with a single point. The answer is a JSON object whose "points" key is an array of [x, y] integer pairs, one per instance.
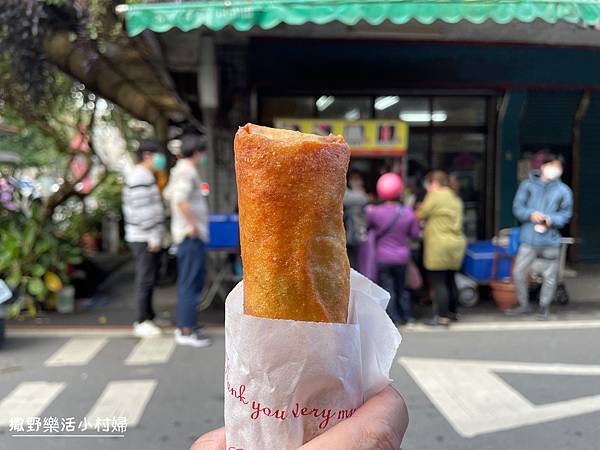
{"points": [[76, 216], [33, 146], [108, 195], [29, 250]]}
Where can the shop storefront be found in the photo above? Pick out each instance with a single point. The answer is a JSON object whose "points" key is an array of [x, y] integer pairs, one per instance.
{"points": [[481, 87], [449, 131]]}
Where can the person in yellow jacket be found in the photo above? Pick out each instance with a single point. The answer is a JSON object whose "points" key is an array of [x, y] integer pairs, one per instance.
{"points": [[444, 243]]}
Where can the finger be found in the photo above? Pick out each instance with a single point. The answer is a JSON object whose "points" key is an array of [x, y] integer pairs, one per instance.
{"points": [[380, 423], [214, 440]]}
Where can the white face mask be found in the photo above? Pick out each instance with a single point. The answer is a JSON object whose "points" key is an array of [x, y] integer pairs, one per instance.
{"points": [[552, 173], [355, 184]]}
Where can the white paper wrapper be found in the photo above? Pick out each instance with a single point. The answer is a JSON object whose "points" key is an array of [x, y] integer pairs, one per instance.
{"points": [[289, 381]]}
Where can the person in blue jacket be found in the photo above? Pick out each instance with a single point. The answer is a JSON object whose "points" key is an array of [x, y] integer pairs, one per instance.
{"points": [[543, 204]]}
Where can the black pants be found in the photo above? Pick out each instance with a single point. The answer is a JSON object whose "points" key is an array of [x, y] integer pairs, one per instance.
{"points": [[352, 251], [147, 265], [392, 278], [444, 292]]}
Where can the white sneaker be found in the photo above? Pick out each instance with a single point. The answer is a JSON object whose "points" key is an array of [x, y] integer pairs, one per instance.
{"points": [[146, 329], [161, 322], [196, 339]]}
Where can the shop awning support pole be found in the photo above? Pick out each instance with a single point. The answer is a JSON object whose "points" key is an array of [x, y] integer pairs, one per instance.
{"points": [[208, 93], [576, 161]]}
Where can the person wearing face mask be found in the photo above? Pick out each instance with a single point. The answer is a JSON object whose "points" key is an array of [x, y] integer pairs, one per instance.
{"points": [[189, 230], [144, 216], [543, 204]]}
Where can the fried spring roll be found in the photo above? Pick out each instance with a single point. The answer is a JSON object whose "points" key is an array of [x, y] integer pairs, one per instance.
{"points": [[290, 192]]}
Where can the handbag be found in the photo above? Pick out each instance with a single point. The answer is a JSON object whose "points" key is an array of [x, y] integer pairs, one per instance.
{"points": [[414, 280]]}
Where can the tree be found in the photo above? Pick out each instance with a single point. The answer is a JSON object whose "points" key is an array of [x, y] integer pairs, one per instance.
{"points": [[45, 104], [56, 116]]}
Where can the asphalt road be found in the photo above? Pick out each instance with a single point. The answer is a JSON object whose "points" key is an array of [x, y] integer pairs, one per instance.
{"points": [[483, 387]]}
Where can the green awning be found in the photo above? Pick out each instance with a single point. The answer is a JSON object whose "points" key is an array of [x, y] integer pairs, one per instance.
{"points": [[245, 14]]}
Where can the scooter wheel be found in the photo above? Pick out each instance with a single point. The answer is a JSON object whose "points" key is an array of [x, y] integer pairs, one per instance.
{"points": [[468, 296]]}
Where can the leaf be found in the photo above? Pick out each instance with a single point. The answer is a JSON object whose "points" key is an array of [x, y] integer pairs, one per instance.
{"points": [[38, 270], [75, 260], [42, 246], [36, 287], [14, 280], [28, 236], [31, 309]]}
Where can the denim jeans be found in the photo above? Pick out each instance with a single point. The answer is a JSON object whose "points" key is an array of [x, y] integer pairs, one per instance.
{"points": [[392, 278], [191, 271], [525, 259]]}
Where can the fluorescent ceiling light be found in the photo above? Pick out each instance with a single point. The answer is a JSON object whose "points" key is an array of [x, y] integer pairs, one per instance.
{"points": [[324, 102], [439, 116], [382, 103], [353, 114], [423, 116]]}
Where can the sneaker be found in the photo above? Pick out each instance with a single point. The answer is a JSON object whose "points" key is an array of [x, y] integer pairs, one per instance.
{"points": [[195, 339], [518, 311], [162, 322], [146, 329], [443, 322]]}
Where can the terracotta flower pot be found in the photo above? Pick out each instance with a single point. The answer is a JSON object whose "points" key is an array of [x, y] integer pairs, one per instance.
{"points": [[504, 294]]}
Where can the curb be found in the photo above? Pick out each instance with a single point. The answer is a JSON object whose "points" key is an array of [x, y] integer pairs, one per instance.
{"points": [[26, 331]]}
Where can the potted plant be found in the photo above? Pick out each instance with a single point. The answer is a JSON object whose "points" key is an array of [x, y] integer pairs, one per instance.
{"points": [[504, 291], [33, 260]]}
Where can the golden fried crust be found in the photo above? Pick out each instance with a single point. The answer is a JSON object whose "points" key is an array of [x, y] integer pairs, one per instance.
{"points": [[290, 192]]}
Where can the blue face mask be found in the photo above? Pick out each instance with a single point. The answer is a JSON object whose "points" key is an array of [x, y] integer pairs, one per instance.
{"points": [[159, 161]]}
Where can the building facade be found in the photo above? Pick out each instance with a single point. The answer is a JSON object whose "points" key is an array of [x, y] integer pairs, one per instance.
{"points": [[480, 98]]}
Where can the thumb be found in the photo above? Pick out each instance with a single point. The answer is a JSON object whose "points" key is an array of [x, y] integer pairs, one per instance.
{"points": [[214, 440]]}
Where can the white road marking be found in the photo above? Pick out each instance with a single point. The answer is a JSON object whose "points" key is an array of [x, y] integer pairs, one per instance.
{"points": [[151, 351], [28, 399], [93, 331], [474, 400], [127, 398], [518, 325], [76, 352]]}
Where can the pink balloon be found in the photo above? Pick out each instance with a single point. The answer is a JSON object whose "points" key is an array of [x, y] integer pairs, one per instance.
{"points": [[390, 186]]}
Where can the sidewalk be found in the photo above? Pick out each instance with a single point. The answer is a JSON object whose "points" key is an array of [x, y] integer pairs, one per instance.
{"points": [[114, 305]]}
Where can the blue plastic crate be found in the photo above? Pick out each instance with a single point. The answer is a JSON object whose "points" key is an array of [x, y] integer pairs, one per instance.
{"points": [[479, 261], [224, 231]]}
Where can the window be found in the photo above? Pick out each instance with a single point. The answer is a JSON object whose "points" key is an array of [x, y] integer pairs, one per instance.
{"points": [[460, 111], [413, 110], [446, 132], [274, 107], [462, 155], [349, 108]]}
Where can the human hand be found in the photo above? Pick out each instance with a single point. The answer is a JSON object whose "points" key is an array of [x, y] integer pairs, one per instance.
{"points": [[154, 248], [378, 424], [193, 233], [213, 440], [537, 217]]}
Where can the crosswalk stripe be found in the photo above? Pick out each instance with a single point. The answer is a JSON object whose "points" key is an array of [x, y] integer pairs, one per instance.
{"points": [[28, 399], [151, 351], [76, 352], [125, 398]]}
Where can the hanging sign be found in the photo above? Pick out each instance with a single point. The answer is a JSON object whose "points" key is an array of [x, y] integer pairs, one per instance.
{"points": [[365, 137]]}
